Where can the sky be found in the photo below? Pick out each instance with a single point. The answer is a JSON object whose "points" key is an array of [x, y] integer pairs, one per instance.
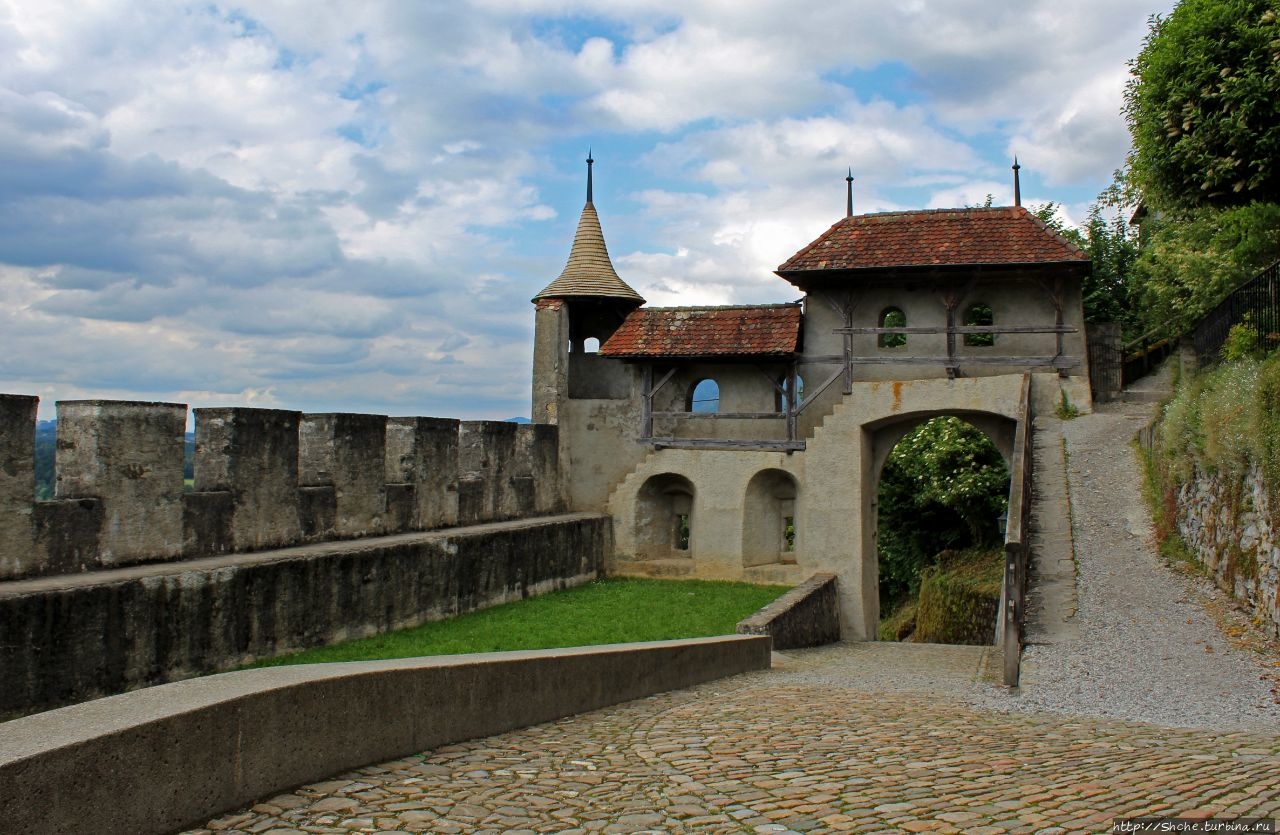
{"points": [[338, 206]]}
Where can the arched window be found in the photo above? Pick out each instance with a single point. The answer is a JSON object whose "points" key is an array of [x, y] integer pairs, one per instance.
{"points": [[704, 397], [979, 314], [591, 345], [783, 398], [892, 317]]}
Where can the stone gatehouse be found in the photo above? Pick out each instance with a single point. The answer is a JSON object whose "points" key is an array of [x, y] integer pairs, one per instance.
{"points": [[746, 441]]}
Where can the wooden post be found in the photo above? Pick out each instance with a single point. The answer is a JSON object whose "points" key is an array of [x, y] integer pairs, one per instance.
{"points": [[848, 349], [792, 396], [951, 300], [1058, 293], [646, 404]]}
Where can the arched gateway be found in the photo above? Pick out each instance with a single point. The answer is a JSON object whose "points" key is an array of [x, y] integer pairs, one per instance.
{"points": [[780, 487]]}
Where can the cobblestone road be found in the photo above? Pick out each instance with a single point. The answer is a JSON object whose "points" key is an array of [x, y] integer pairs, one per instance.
{"points": [[851, 737]]}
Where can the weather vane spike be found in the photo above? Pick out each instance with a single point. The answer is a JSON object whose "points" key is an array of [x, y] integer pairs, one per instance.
{"points": [[590, 161], [849, 197], [1017, 183]]}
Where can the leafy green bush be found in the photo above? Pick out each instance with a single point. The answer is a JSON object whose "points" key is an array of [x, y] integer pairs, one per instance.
{"points": [[943, 486], [1241, 342]]}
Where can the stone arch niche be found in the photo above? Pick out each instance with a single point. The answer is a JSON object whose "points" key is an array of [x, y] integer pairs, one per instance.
{"points": [[768, 511], [664, 521]]}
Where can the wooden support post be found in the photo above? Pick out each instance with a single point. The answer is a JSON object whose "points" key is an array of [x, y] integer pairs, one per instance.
{"points": [[793, 395], [847, 339], [646, 403], [951, 300], [1058, 293]]}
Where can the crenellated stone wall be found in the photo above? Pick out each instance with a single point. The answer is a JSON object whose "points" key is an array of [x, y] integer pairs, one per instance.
{"points": [[1227, 525], [264, 478]]}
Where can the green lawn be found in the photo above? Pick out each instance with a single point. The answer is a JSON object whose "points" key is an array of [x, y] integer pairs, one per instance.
{"points": [[610, 611]]}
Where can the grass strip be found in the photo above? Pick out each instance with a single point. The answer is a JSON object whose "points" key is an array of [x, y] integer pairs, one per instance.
{"points": [[607, 611]]}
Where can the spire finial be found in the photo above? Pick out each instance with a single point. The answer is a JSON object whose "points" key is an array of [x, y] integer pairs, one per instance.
{"points": [[849, 197], [1017, 182], [590, 162]]}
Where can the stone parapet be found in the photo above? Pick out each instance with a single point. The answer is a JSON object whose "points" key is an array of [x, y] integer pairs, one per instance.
{"points": [[263, 478], [73, 637], [253, 455], [806, 616], [167, 758], [17, 482], [130, 456]]}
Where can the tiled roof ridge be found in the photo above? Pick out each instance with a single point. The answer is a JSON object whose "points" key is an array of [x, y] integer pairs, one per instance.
{"points": [[1054, 249], [771, 305], [716, 330]]}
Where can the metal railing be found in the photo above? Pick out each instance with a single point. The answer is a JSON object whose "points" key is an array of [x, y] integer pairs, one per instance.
{"points": [[1013, 595], [1256, 302]]}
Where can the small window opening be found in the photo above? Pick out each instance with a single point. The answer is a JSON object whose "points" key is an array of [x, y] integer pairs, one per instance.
{"points": [[705, 397], [788, 534], [979, 314], [892, 317], [591, 345], [682, 532]]}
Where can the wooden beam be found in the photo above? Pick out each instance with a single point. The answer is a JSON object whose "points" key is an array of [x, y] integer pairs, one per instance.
{"points": [[665, 377], [809, 398], [722, 415], [966, 329], [716, 444], [970, 359]]}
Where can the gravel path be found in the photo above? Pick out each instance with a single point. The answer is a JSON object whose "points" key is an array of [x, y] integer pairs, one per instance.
{"points": [[1146, 646]]}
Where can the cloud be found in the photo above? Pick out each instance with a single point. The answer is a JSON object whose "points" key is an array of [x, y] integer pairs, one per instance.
{"points": [[348, 206]]}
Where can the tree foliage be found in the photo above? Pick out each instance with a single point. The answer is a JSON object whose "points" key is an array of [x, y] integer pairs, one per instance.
{"points": [[1203, 105], [943, 486], [1190, 263], [1113, 247]]}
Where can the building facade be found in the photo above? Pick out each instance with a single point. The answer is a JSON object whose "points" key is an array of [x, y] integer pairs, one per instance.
{"points": [[745, 442]]}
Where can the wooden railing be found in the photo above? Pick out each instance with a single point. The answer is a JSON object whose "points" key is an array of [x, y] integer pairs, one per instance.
{"points": [[1016, 541]]}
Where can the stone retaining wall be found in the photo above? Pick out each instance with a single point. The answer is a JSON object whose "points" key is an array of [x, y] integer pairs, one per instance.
{"points": [[1228, 526], [73, 637], [806, 616], [170, 757]]}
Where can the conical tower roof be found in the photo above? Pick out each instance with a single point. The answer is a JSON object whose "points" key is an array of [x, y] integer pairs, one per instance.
{"points": [[589, 271]]}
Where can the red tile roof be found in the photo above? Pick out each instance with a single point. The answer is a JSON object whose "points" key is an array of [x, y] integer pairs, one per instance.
{"points": [[1007, 235], [757, 330]]}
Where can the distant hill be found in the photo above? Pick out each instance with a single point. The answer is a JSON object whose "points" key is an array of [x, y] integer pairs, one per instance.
{"points": [[517, 420]]}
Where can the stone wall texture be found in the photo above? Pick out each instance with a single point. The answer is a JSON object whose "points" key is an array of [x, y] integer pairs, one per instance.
{"points": [[74, 637], [1228, 525], [263, 478], [806, 616]]}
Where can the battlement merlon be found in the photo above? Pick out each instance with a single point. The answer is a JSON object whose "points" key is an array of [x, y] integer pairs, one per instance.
{"points": [[263, 478]]}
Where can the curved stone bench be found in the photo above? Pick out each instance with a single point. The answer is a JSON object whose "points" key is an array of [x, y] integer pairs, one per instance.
{"points": [[176, 755]]}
